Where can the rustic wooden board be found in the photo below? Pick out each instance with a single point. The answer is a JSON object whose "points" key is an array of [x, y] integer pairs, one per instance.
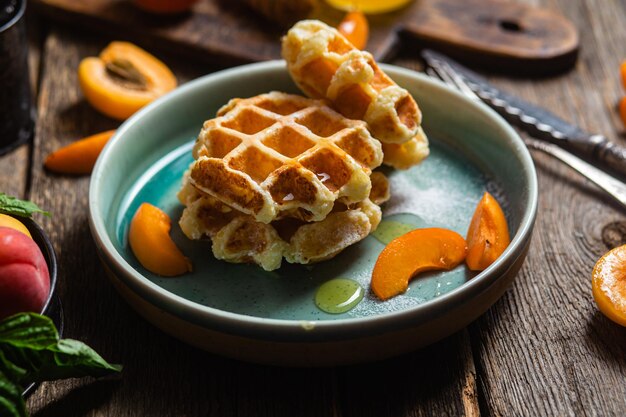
{"points": [[544, 349], [500, 35]]}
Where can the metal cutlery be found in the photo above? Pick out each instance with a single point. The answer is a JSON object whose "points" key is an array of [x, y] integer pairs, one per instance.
{"points": [[538, 122], [614, 187]]}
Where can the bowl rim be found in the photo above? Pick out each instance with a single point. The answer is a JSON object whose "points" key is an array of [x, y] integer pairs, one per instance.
{"points": [[235, 323]]}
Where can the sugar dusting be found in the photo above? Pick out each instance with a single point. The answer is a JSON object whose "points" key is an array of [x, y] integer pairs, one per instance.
{"points": [[433, 202]]}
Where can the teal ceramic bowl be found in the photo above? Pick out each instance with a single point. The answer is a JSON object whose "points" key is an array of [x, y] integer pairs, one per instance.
{"points": [[244, 312]]}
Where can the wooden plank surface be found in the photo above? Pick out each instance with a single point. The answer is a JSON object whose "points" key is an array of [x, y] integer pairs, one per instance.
{"points": [[543, 349], [475, 31]]}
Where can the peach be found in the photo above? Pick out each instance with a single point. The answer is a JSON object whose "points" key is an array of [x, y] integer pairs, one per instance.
{"points": [[24, 276]]}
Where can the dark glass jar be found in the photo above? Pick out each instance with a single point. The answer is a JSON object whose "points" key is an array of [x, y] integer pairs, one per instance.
{"points": [[17, 119]]}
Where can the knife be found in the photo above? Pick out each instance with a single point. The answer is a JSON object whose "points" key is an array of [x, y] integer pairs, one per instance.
{"points": [[536, 121]]}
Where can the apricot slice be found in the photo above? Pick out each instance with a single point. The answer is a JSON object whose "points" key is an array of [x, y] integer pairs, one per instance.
{"points": [[123, 79], [417, 251], [608, 285], [355, 29], [488, 234], [150, 241], [78, 157], [13, 223]]}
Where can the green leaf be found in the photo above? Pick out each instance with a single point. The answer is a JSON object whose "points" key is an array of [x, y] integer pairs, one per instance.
{"points": [[31, 342], [74, 359], [11, 401], [16, 207], [11, 370], [30, 330]]}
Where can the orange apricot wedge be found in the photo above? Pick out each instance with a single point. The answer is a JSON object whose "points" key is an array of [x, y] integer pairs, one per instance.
{"points": [[417, 251], [150, 241], [123, 79], [78, 157], [622, 70], [488, 234], [354, 28], [13, 223], [608, 285]]}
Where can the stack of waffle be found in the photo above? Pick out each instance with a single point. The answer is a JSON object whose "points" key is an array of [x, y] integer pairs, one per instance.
{"points": [[283, 176]]}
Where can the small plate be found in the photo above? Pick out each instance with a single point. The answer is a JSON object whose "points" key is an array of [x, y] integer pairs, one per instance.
{"points": [[244, 312]]}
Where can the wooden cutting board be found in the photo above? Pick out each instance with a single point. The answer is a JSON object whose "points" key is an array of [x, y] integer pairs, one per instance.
{"points": [[497, 35]]}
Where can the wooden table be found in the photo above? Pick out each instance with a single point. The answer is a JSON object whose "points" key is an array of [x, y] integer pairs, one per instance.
{"points": [[543, 349]]}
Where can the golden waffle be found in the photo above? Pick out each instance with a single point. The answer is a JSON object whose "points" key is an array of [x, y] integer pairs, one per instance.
{"points": [[239, 238], [279, 155], [405, 155], [325, 64]]}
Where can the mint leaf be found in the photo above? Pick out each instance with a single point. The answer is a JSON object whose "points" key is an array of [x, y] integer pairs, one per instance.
{"points": [[11, 401], [31, 351], [12, 371], [72, 359], [16, 207], [29, 330], [30, 342]]}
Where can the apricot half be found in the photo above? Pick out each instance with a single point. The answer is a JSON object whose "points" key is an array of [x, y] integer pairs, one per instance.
{"points": [[608, 284], [414, 252], [123, 79], [13, 223], [488, 234], [78, 157], [150, 241]]}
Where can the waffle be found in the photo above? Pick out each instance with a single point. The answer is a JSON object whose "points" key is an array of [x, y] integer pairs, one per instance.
{"points": [[237, 237], [324, 64], [405, 155], [278, 155]]}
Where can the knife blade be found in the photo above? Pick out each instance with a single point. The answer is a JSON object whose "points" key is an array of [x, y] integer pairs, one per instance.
{"points": [[535, 120]]}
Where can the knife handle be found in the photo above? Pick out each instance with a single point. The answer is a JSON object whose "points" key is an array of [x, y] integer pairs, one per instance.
{"points": [[614, 156]]}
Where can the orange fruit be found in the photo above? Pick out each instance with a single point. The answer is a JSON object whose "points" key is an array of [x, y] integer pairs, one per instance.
{"points": [[488, 234], [609, 285]]}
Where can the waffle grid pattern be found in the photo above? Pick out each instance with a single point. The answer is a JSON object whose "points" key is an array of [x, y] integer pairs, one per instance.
{"points": [[279, 155]]}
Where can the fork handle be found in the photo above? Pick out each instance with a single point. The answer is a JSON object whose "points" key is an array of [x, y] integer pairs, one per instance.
{"points": [[611, 185]]}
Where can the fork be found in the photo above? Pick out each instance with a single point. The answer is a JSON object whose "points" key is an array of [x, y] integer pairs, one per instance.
{"points": [[611, 185]]}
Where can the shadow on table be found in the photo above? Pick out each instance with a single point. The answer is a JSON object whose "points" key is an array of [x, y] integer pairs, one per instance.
{"points": [[606, 338], [81, 400]]}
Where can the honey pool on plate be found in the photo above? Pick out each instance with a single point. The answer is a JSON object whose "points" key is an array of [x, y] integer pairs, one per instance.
{"points": [[441, 192]]}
